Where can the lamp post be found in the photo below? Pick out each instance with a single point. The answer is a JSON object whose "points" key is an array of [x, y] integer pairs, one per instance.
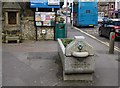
{"points": [[72, 14], [116, 2], [66, 17], [36, 27]]}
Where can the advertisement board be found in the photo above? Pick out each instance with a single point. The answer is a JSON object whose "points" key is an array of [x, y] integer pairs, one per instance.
{"points": [[44, 19]]}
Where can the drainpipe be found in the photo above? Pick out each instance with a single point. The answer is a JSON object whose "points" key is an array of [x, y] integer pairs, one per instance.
{"points": [[72, 14], [36, 27]]}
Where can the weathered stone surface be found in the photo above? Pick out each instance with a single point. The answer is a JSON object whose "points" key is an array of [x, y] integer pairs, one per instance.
{"points": [[49, 33], [29, 33], [13, 5], [75, 65], [28, 30], [88, 77], [25, 19], [76, 68]]}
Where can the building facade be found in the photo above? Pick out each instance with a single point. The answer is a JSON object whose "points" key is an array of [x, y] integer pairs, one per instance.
{"points": [[108, 8], [111, 9]]}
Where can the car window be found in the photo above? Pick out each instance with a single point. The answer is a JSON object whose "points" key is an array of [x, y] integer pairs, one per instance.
{"points": [[111, 22], [117, 23], [107, 22]]}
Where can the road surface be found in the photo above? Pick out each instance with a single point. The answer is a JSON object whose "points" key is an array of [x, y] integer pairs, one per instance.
{"points": [[38, 64]]}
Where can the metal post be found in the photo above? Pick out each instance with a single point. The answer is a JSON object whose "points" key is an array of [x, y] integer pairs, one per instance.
{"points": [[52, 9], [111, 43], [36, 27], [72, 14], [66, 17], [116, 6]]}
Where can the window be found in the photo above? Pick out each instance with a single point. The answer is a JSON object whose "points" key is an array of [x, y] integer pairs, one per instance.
{"points": [[87, 11], [12, 18], [112, 6], [117, 23]]}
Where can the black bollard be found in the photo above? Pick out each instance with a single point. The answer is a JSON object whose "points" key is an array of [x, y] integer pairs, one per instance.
{"points": [[111, 43]]}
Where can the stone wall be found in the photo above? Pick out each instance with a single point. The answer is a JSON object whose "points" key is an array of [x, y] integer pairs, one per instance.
{"points": [[28, 29], [27, 25], [29, 33], [49, 33]]}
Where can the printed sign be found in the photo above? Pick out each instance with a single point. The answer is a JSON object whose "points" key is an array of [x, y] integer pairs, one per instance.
{"points": [[53, 2], [45, 3], [44, 18]]}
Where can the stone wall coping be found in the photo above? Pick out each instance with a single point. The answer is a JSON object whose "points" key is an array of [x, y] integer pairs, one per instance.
{"points": [[28, 18]]}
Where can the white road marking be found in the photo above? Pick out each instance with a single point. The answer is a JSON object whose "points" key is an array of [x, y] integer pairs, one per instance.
{"points": [[105, 43]]}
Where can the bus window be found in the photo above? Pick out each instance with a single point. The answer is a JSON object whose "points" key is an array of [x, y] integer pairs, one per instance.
{"points": [[87, 11]]}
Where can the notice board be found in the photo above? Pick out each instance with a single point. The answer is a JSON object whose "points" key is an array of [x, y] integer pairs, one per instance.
{"points": [[44, 19]]}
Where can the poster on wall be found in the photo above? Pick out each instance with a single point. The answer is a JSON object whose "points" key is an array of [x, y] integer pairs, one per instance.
{"points": [[44, 18], [37, 16], [53, 2]]}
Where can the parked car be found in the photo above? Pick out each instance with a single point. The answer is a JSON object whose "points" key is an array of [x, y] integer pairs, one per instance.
{"points": [[111, 25]]}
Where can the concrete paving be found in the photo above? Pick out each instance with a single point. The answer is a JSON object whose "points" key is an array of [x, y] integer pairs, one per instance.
{"points": [[37, 63]]}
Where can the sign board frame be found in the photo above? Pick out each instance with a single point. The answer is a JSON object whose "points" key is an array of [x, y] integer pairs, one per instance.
{"points": [[45, 3]]}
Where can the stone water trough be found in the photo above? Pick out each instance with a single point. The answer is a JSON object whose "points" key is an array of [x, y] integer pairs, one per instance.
{"points": [[77, 58]]}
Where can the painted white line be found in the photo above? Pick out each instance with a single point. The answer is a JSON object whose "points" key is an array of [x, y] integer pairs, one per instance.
{"points": [[105, 43]]}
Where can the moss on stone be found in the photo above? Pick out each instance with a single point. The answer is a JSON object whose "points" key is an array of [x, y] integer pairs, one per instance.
{"points": [[66, 41]]}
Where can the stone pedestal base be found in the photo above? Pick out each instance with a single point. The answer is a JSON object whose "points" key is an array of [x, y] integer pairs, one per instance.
{"points": [[76, 68], [88, 77], [10, 38]]}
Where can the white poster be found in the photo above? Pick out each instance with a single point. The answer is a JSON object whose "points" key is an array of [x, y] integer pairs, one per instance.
{"points": [[43, 17], [53, 2]]}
